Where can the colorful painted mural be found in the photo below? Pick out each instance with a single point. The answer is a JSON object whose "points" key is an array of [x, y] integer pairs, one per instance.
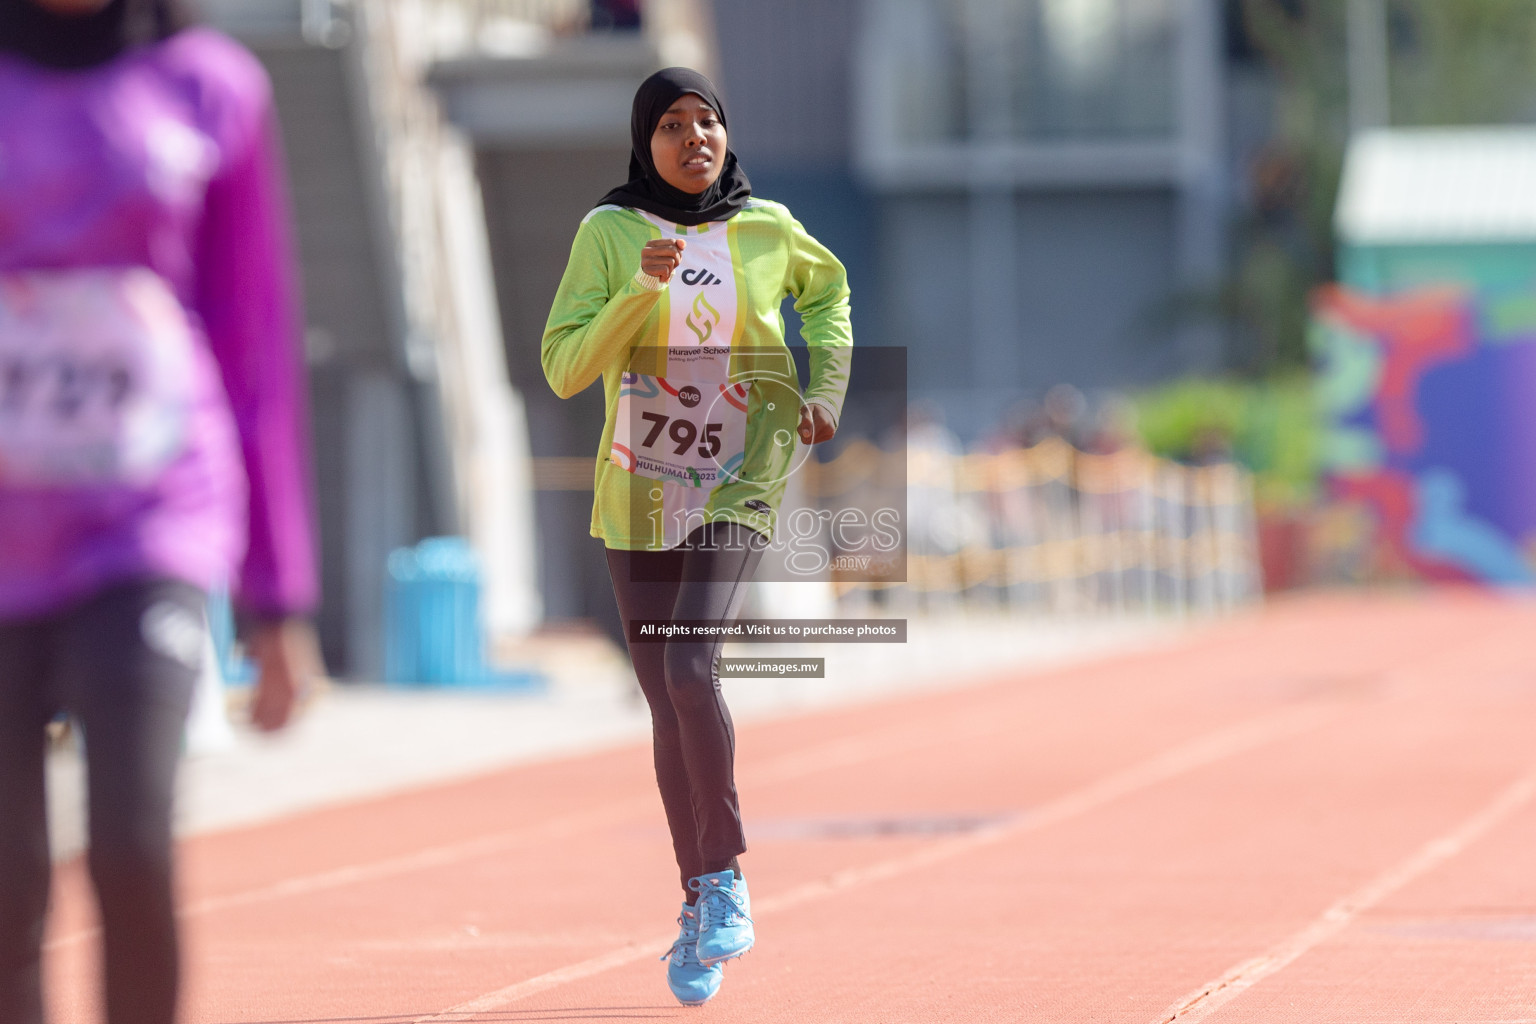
{"points": [[1429, 448]]}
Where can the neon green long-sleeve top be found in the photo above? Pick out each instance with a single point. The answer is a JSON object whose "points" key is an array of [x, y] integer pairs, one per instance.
{"points": [[702, 400]]}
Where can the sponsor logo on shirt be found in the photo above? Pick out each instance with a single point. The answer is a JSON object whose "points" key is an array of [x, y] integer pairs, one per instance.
{"points": [[701, 321], [757, 506], [699, 277]]}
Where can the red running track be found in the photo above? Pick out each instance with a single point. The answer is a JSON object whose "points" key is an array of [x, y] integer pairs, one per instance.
{"points": [[1321, 812]]}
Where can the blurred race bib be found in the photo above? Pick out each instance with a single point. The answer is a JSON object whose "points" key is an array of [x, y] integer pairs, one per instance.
{"points": [[96, 370]]}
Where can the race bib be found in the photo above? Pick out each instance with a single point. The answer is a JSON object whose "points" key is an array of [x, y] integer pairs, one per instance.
{"points": [[687, 431], [96, 371]]}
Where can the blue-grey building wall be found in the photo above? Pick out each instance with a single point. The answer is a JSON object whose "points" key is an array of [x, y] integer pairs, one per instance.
{"points": [[1093, 286]]}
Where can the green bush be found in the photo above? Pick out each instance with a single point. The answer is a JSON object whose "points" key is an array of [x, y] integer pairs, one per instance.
{"points": [[1270, 426]]}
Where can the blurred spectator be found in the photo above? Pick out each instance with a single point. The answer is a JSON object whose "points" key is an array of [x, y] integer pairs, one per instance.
{"points": [[152, 445], [1211, 446], [1113, 428], [615, 14], [933, 451], [1012, 431], [1060, 415]]}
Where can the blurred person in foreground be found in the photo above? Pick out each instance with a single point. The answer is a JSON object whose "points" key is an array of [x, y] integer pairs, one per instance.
{"points": [[671, 299], [152, 445]]}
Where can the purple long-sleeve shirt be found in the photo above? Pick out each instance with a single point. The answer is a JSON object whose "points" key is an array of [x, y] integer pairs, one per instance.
{"points": [[163, 160]]}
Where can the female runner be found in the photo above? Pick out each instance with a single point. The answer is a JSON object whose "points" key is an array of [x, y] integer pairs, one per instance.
{"points": [[151, 430], [672, 297]]}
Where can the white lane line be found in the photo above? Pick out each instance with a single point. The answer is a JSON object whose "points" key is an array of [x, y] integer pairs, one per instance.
{"points": [[503, 997], [431, 857], [849, 751], [837, 753], [1212, 996], [1181, 760]]}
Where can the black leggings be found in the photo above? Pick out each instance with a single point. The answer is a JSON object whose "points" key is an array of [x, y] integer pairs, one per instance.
{"points": [[123, 664], [695, 746]]}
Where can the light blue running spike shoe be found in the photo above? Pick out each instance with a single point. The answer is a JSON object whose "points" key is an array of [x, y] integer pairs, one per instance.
{"points": [[692, 982], [725, 916]]}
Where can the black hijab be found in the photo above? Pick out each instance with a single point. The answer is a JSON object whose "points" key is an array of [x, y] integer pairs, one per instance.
{"points": [[71, 43], [645, 189]]}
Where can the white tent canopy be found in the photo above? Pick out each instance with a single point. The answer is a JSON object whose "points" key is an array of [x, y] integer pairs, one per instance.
{"points": [[1439, 185]]}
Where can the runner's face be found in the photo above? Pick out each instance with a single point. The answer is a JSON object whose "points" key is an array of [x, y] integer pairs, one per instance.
{"points": [[688, 145], [72, 8]]}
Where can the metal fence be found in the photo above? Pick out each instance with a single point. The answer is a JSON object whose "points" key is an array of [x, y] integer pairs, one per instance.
{"points": [[1055, 530]]}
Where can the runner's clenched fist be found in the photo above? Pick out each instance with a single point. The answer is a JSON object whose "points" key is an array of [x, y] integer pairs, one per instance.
{"points": [[660, 256]]}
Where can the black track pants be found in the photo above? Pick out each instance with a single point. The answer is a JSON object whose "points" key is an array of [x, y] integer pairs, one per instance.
{"points": [[695, 745], [123, 664]]}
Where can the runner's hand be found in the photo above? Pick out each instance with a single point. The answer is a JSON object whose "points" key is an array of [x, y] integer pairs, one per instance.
{"points": [[288, 669], [660, 256], [816, 424]]}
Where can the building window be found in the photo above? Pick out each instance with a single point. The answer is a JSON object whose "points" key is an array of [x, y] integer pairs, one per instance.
{"points": [[1028, 70], [1095, 69]]}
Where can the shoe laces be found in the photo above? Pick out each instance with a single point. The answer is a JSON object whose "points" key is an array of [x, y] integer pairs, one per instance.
{"points": [[718, 904], [686, 946]]}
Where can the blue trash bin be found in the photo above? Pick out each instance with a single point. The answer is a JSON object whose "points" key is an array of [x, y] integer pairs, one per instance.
{"points": [[434, 634], [236, 669]]}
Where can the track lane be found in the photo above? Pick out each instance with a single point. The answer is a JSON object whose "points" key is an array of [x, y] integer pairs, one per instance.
{"points": [[394, 942]]}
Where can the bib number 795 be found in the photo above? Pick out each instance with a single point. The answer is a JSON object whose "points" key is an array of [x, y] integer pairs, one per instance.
{"points": [[683, 433]]}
